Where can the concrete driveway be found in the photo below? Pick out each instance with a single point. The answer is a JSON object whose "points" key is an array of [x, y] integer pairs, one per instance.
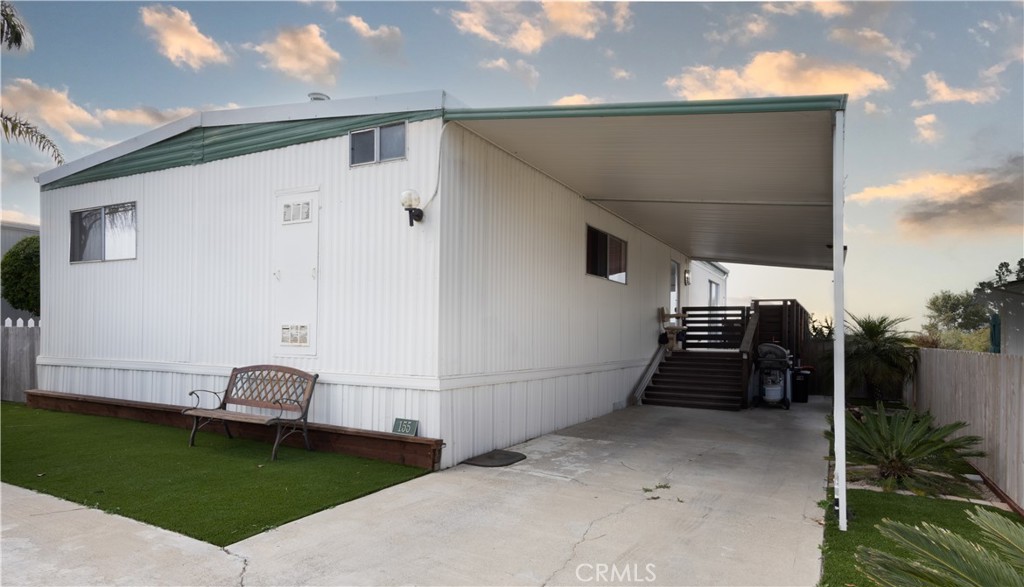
{"points": [[644, 496]]}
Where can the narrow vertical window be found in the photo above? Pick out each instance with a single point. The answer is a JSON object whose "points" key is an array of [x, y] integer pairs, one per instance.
{"points": [[673, 287], [87, 235], [606, 255], [712, 293], [392, 142], [362, 146], [119, 232]]}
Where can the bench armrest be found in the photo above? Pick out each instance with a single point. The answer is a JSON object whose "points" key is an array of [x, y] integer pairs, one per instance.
{"points": [[281, 402], [195, 394]]}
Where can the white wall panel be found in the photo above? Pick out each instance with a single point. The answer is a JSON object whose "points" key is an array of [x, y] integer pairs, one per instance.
{"points": [[479, 419], [514, 291]]}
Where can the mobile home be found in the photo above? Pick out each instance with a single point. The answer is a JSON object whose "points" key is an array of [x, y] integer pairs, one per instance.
{"points": [[494, 274]]}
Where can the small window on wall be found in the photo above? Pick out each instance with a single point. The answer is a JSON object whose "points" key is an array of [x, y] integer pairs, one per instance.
{"points": [[606, 255], [384, 143], [712, 293], [103, 234]]}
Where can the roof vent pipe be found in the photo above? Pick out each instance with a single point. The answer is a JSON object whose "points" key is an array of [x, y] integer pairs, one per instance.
{"points": [[318, 97]]}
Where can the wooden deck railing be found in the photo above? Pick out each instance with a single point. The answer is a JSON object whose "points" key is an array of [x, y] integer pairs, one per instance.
{"points": [[715, 327], [783, 322]]}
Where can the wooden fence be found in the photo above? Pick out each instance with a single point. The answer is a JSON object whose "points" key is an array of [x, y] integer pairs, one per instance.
{"points": [[18, 350], [987, 391]]}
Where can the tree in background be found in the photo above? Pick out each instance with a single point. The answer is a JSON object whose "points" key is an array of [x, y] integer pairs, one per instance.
{"points": [[1002, 276], [823, 330], [879, 355], [19, 274], [14, 35], [961, 321], [955, 321], [960, 311]]}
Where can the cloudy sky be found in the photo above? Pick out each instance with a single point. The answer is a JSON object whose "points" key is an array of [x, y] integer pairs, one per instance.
{"points": [[935, 125]]}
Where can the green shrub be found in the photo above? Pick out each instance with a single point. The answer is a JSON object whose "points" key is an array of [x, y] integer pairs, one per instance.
{"points": [[19, 273], [904, 450]]}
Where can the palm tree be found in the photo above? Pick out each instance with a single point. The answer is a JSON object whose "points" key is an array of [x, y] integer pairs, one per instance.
{"points": [[12, 30], [13, 34], [879, 355], [15, 127]]}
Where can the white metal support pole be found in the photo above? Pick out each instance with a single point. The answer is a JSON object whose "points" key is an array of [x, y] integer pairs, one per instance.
{"points": [[839, 353]]}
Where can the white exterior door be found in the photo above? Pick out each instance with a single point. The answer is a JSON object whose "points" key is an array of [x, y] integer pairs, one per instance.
{"points": [[295, 260]]}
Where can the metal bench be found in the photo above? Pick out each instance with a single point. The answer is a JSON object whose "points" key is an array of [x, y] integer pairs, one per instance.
{"points": [[269, 387]]}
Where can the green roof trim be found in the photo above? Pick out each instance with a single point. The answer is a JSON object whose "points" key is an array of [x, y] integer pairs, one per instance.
{"points": [[211, 143], [835, 102], [205, 144]]}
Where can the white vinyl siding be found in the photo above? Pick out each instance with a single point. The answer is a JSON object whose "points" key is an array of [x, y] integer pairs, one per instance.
{"points": [[199, 292], [698, 293]]}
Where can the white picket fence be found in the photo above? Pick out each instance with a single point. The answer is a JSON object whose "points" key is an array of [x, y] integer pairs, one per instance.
{"points": [[19, 348], [987, 391]]}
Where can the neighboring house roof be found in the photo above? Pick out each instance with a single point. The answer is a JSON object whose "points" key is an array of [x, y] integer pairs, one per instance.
{"points": [[721, 269], [760, 170], [1012, 288]]}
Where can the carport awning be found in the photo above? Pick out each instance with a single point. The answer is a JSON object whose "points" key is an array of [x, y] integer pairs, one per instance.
{"points": [[744, 181]]}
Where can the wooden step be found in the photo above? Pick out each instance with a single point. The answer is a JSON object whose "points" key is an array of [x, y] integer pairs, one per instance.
{"points": [[699, 403], [695, 383], [662, 390], [699, 372], [696, 379]]}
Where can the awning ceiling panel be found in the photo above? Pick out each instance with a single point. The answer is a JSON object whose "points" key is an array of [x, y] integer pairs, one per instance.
{"points": [[744, 187]]}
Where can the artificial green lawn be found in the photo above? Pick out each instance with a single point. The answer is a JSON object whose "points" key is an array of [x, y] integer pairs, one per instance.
{"points": [[866, 509], [220, 491]]}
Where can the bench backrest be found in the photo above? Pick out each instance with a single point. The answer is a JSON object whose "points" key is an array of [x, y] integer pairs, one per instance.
{"points": [[260, 386]]}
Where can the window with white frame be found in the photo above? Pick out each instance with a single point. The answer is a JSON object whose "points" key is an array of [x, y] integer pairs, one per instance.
{"points": [[373, 145], [713, 293], [106, 233], [606, 255]]}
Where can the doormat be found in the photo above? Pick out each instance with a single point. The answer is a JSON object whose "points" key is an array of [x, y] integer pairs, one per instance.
{"points": [[496, 458]]}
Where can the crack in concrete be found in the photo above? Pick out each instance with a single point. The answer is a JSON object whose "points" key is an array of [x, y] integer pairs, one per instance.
{"points": [[583, 539], [61, 512], [245, 565]]}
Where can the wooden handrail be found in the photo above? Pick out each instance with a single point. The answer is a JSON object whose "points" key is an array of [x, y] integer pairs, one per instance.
{"points": [[645, 379], [748, 337], [746, 348]]}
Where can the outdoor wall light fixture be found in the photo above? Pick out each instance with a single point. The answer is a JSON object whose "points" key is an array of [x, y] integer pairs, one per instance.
{"points": [[411, 203], [686, 277]]}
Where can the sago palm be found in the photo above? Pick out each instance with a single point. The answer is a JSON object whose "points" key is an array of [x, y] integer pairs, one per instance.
{"points": [[940, 558], [904, 450], [879, 355]]}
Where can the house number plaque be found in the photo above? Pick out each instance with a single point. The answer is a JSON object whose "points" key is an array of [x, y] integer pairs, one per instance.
{"points": [[407, 427]]}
